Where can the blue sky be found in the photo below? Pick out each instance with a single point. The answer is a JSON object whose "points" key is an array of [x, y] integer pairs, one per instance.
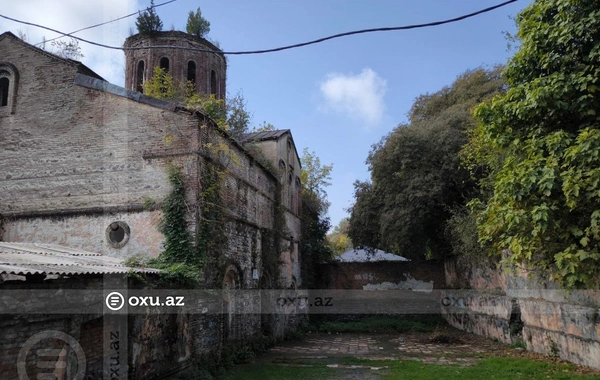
{"points": [[338, 97]]}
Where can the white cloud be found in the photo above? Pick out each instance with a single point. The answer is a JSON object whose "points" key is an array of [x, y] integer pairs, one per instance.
{"points": [[358, 96], [69, 15]]}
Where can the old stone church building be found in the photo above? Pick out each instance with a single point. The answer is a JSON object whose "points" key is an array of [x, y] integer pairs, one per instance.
{"points": [[84, 171]]}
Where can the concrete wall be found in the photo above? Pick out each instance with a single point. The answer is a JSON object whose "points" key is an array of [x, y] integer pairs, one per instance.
{"points": [[512, 306]]}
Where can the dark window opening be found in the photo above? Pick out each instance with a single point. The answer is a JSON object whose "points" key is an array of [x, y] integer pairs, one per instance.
{"points": [[139, 80], [4, 84], [164, 63], [191, 73], [213, 82], [118, 234]]}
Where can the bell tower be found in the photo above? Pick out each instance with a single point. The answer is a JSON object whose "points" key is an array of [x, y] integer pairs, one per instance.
{"points": [[207, 70]]}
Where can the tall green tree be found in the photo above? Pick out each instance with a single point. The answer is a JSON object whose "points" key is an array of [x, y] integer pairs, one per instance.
{"points": [[416, 174], [315, 222], [196, 24], [540, 145], [148, 22]]}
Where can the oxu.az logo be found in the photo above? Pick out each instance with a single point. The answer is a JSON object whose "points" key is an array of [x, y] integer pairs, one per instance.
{"points": [[51, 356]]}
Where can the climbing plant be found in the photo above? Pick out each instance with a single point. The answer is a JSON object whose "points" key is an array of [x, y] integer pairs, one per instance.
{"points": [[540, 147]]}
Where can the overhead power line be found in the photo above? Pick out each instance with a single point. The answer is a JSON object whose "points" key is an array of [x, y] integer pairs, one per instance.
{"points": [[406, 27], [104, 23]]}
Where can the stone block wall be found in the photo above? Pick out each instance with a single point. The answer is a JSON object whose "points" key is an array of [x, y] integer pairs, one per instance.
{"points": [[516, 306]]}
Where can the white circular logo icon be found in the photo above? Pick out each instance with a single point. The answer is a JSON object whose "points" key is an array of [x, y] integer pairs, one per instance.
{"points": [[115, 301], [53, 359]]}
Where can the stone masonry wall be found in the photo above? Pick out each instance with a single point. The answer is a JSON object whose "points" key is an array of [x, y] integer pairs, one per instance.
{"points": [[517, 306]]}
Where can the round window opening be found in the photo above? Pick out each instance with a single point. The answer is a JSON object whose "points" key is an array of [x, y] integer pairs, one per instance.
{"points": [[117, 234]]}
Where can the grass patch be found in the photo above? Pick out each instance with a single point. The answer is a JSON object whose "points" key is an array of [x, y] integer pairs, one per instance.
{"points": [[273, 371], [381, 323], [493, 368]]}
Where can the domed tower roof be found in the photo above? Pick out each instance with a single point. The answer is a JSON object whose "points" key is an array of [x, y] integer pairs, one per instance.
{"points": [[207, 70]]}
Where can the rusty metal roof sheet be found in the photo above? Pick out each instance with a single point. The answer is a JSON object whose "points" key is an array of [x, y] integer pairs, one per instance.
{"points": [[33, 258]]}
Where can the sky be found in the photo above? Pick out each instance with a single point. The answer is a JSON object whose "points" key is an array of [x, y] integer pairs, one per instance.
{"points": [[338, 97]]}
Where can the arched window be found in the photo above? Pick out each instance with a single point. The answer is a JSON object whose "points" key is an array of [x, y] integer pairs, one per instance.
{"points": [[164, 63], [4, 85], [139, 78], [191, 73], [213, 82], [9, 81]]}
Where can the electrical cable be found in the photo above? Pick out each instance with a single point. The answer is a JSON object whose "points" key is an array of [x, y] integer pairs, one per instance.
{"points": [[104, 23], [407, 27]]}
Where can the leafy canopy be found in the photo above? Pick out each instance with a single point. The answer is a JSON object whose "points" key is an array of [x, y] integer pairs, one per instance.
{"points": [[416, 175], [196, 24], [540, 145], [315, 223], [148, 22]]}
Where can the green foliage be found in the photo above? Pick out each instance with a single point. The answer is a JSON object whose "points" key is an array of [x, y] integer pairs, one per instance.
{"points": [[416, 174], [211, 238], [338, 240], [148, 22], [461, 233], [232, 117], [161, 85], [196, 24], [315, 178], [238, 117], [178, 243], [213, 366], [540, 146], [264, 127], [487, 368], [315, 223]]}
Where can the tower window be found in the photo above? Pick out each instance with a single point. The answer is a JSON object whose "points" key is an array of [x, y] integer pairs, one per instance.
{"points": [[213, 82], [4, 85], [139, 79], [164, 63], [191, 73]]}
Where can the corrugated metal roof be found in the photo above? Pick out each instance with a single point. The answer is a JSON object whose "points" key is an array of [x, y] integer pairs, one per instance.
{"points": [[261, 136], [31, 258]]}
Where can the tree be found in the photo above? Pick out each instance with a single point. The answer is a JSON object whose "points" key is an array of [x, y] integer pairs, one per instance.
{"points": [[315, 178], [238, 117], [67, 50], [416, 176], [540, 146], [148, 22], [338, 240], [264, 127], [315, 223], [196, 24]]}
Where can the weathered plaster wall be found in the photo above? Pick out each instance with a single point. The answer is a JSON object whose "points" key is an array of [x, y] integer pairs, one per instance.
{"points": [[516, 306], [384, 275], [88, 232]]}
